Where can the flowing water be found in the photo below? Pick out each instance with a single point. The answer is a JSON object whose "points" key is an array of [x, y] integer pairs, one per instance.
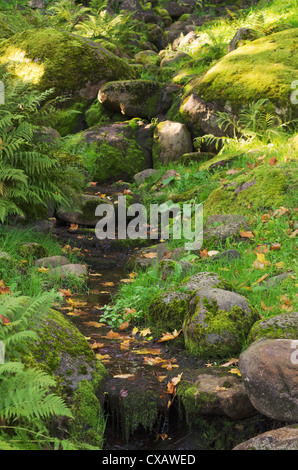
{"points": [[124, 355]]}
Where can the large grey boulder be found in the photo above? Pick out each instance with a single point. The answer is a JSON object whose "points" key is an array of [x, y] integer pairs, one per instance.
{"points": [[269, 370], [217, 323]]}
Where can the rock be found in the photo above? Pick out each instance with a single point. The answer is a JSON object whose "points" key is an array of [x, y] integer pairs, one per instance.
{"points": [[85, 213], [167, 311], [52, 261], [217, 323], [143, 175], [269, 371], [238, 87], [217, 395], [77, 270], [42, 226], [31, 251], [226, 256], [174, 58], [242, 36], [133, 98], [63, 352], [121, 149], [263, 188], [34, 4], [184, 41], [284, 326], [200, 116], [275, 280], [168, 174], [204, 280], [52, 58], [169, 267], [148, 256], [174, 9], [47, 134], [222, 226], [147, 58], [285, 438], [172, 141]]}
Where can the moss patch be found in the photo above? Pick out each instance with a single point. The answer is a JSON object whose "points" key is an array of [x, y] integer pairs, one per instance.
{"points": [[265, 68], [263, 188], [50, 58]]}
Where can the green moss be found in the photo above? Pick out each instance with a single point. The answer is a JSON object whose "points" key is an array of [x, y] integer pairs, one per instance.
{"points": [[89, 420], [113, 159], [221, 333], [31, 251], [193, 401], [265, 68], [167, 312], [97, 114], [137, 409], [263, 188], [50, 58], [70, 118], [284, 326]]}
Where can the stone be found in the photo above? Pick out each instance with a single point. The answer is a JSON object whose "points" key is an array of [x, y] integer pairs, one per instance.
{"points": [[172, 141], [169, 267], [143, 175], [222, 226], [85, 213], [174, 9], [285, 438], [133, 98], [274, 71], [217, 323], [283, 326], [269, 369], [148, 256], [52, 261], [275, 280], [242, 36], [77, 270], [216, 395], [173, 59], [261, 189], [167, 311], [121, 149], [31, 251], [204, 280], [200, 116], [226, 256], [35, 4], [52, 58]]}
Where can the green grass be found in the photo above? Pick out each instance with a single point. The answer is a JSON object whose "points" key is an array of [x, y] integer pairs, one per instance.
{"points": [[21, 275]]}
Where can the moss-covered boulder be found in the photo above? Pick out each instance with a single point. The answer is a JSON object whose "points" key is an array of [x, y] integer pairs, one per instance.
{"points": [[265, 187], [32, 251], [118, 151], [264, 68], [214, 393], [167, 311], [52, 58], [133, 98], [217, 323], [284, 326], [84, 213], [64, 353], [205, 280]]}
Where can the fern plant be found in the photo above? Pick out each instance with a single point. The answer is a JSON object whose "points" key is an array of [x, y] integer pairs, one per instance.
{"points": [[26, 400], [30, 177]]}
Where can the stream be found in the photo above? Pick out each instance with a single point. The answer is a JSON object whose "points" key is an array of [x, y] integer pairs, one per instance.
{"points": [[126, 355]]}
